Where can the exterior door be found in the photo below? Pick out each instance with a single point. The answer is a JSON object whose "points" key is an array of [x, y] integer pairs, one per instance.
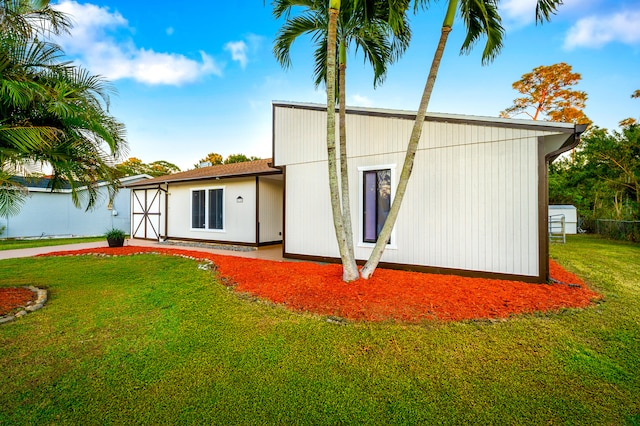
{"points": [[145, 213]]}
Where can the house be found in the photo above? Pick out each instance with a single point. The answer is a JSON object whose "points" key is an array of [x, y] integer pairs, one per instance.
{"points": [[476, 204], [48, 213], [239, 203]]}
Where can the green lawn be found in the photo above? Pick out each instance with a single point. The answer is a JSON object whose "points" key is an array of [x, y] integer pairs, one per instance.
{"points": [[151, 339], [21, 244]]}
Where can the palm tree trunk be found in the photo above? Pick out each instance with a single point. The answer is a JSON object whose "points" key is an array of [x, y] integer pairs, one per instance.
{"points": [[344, 168], [349, 268], [412, 147]]}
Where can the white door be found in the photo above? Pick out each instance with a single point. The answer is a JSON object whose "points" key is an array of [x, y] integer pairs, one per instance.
{"points": [[145, 213]]}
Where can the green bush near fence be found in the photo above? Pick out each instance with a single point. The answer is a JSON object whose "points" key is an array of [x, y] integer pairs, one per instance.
{"points": [[618, 229]]}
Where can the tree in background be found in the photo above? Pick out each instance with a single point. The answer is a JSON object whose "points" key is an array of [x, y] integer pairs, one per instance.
{"points": [[212, 158], [630, 121], [215, 159], [603, 179], [548, 94], [52, 113], [134, 166], [239, 158]]}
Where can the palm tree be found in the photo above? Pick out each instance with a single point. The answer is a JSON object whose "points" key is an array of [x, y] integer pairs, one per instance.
{"points": [[51, 113], [481, 18], [29, 18], [379, 28]]}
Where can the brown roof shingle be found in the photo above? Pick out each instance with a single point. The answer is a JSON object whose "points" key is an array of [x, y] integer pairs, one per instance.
{"points": [[247, 168]]}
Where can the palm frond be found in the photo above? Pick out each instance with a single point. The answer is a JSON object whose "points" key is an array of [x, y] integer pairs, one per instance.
{"points": [[546, 8], [482, 19], [12, 195], [308, 23]]}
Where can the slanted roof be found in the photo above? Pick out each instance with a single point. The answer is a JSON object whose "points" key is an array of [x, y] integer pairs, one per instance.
{"points": [[445, 117], [247, 168]]}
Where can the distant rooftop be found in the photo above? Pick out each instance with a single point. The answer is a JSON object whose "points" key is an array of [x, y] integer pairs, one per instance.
{"points": [[247, 168]]}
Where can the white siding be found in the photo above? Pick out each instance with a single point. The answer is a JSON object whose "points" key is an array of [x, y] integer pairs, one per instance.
{"points": [[309, 227], [271, 193], [47, 214], [239, 218], [472, 202]]}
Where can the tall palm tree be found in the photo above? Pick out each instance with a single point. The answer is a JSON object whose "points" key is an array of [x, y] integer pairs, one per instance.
{"points": [[481, 18], [52, 113], [377, 27]]}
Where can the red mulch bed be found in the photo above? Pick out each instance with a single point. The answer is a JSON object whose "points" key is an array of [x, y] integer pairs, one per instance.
{"points": [[388, 295], [12, 298]]}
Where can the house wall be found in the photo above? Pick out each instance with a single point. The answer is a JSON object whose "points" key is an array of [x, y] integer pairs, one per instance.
{"points": [[47, 214], [271, 199], [239, 218], [471, 204]]}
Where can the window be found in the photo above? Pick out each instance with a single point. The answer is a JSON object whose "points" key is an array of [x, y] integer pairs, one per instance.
{"points": [[207, 209], [376, 202]]}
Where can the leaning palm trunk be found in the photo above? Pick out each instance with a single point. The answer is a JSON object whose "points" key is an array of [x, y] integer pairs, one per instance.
{"points": [[412, 147], [349, 267], [344, 168]]}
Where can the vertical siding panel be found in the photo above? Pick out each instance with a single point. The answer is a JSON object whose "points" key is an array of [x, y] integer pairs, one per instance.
{"points": [[475, 210], [502, 205], [495, 202], [517, 197], [271, 193], [510, 203], [533, 184]]}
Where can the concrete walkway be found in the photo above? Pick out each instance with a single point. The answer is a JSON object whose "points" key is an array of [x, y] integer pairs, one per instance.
{"points": [[267, 252]]}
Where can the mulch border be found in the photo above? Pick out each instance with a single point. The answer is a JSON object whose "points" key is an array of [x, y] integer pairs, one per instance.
{"points": [[365, 306], [41, 298]]}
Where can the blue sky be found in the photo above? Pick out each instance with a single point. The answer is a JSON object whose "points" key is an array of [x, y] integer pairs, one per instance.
{"points": [[199, 77]]}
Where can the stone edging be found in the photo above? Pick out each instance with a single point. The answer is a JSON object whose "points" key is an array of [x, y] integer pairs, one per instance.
{"points": [[41, 298]]}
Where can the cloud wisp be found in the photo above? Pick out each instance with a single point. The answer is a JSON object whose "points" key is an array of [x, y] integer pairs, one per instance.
{"points": [[96, 39], [597, 31], [238, 50]]}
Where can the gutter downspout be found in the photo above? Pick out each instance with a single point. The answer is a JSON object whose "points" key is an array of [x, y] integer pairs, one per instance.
{"points": [[572, 141], [166, 214]]}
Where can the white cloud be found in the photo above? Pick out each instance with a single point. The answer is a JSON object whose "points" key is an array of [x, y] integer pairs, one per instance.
{"points": [[596, 31], [521, 12], [94, 41], [238, 51]]}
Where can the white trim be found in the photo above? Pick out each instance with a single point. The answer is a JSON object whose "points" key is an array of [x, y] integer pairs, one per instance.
{"points": [[206, 190], [361, 169]]}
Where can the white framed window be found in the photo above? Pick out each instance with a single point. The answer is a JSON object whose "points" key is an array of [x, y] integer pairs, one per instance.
{"points": [[207, 209], [375, 198]]}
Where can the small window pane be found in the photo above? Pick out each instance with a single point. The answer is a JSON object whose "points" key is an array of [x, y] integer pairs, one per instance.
{"points": [[197, 209], [376, 203], [384, 198], [215, 209], [369, 220]]}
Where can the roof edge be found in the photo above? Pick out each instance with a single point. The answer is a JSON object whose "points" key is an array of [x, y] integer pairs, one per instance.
{"points": [[439, 117]]}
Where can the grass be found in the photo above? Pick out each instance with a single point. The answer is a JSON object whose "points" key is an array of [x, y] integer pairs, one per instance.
{"points": [[11, 244], [154, 340]]}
